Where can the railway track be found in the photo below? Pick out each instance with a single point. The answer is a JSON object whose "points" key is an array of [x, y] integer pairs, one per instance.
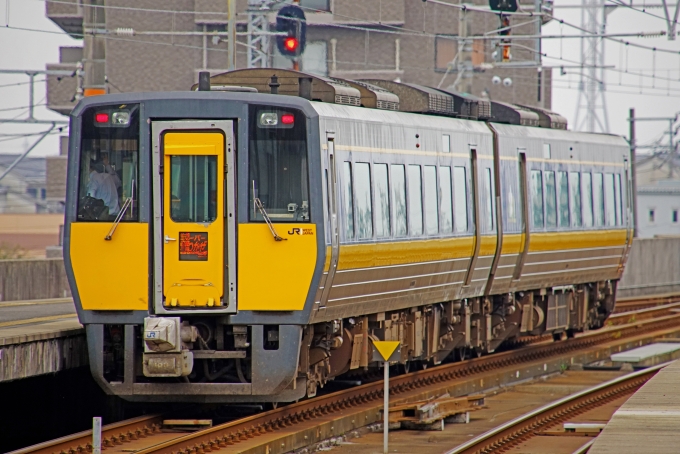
{"points": [[637, 303], [307, 422], [519, 430], [117, 434]]}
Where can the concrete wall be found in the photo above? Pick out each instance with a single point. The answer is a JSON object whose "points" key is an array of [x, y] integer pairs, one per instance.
{"points": [[33, 279], [653, 268]]}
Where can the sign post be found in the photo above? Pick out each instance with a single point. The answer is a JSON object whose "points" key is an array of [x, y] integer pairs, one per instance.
{"points": [[97, 435], [386, 351]]}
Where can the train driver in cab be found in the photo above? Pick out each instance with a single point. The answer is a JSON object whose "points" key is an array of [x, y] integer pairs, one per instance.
{"points": [[102, 186]]}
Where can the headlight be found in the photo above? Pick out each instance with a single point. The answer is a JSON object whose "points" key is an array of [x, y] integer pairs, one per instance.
{"points": [[120, 118], [269, 119]]}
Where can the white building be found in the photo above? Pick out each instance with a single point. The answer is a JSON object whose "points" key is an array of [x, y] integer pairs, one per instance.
{"points": [[658, 196]]}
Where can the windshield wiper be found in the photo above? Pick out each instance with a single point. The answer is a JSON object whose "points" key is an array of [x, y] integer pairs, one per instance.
{"points": [[260, 207], [119, 217]]}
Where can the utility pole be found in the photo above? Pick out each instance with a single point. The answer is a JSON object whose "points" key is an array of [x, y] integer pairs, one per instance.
{"points": [[463, 83], [631, 120], [94, 49], [231, 45]]}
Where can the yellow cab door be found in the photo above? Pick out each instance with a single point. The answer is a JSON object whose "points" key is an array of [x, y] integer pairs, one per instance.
{"points": [[193, 234]]}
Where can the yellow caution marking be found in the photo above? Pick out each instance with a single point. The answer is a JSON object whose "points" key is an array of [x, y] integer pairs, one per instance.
{"points": [[386, 348], [29, 321]]}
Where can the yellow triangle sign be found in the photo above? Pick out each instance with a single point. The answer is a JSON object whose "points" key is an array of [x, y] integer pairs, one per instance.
{"points": [[386, 348]]}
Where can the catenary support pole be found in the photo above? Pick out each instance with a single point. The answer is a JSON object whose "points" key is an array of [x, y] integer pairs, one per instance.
{"points": [[633, 192]]}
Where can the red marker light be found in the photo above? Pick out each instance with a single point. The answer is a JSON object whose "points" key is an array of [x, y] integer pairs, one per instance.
{"points": [[101, 118], [287, 119], [290, 44]]}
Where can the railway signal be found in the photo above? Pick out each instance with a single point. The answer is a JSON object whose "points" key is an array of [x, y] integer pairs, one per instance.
{"points": [[291, 21]]}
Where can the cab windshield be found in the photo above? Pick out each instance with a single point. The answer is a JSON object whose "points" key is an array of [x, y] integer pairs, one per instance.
{"points": [[109, 164], [278, 165]]}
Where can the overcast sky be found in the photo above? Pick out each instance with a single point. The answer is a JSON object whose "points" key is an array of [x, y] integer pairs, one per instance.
{"points": [[20, 49]]}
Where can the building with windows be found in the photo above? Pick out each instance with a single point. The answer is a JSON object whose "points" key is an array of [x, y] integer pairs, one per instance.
{"points": [[147, 45], [658, 196]]}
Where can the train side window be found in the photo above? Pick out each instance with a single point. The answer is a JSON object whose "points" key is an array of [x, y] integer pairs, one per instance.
{"points": [[537, 199], [347, 200], [431, 205], [598, 199], [610, 199], [488, 188], [415, 200], [399, 198], [445, 199], [460, 204], [563, 187], [587, 200], [362, 199], [382, 200], [550, 200], [619, 201], [575, 196]]}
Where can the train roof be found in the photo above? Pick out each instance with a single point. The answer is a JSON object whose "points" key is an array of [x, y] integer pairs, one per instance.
{"points": [[362, 115]]}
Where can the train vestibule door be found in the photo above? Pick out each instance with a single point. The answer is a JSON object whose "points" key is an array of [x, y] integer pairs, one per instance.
{"points": [[195, 240]]}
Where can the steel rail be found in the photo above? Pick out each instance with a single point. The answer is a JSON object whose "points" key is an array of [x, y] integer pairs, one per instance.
{"points": [[368, 397], [112, 435], [519, 429], [365, 397]]}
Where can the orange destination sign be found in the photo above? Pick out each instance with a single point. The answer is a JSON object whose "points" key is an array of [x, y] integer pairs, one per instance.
{"points": [[193, 246]]}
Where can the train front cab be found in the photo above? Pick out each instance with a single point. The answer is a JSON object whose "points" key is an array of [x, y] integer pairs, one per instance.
{"points": [[192, 278]]}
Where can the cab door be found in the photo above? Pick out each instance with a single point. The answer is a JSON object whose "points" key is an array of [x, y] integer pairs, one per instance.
{"points": [[192, 236]]}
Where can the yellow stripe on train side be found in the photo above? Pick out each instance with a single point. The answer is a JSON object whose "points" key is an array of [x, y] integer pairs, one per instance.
{"points": [[357, 256], [560, 241]]}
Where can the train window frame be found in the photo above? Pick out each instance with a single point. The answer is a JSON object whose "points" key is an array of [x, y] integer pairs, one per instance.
{"points": [[363, 200], [399, 198], [278, 166], [431, 200], [587, 199], [415, 200], [575, 205], [610, 199], [183, 191], [460, 199], [383, 224], [445, 188], [617, 199], [598, 200], [563, 211], [550, 199], [348, 200], [112, 152], [446, 143], [537, 201], [489, 204]]}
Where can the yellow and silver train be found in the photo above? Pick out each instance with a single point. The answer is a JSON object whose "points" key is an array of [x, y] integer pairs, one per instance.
{"points": [[228, 244]]}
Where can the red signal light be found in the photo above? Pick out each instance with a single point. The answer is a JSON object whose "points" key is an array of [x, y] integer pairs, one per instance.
{"points": [[291, 44], [287, 119], [101, 118]]}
